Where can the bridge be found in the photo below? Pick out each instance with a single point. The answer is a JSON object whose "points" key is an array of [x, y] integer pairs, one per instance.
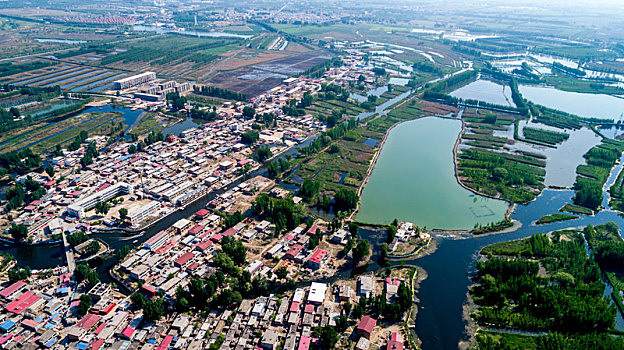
{"points": [[69, 254]]}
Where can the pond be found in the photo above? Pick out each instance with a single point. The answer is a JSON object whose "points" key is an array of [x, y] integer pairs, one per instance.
{"points": [[582, 104], [178, 128], [414, 181], [486, 91]]}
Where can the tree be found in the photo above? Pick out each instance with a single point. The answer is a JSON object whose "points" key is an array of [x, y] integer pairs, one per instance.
{"points": [[76, 238], [234, 249], [85, 304], [154, 310], [346, 199], [281, 273], [250, 137], [92, 248], [328, 336], [15, 112], [19, 274], [176, 101], [122, 252], [347, 308], [18, 231], [390, 233], [50, 170], [263, 153], [102, 207], [123, 213], [354, 228], [309, 189], [249, 112], [223, 261], [361, 249], [84, 272]]}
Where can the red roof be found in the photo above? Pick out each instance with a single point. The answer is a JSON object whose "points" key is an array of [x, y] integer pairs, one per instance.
{"points": [[309, 308], [100, 328], [395, 342], [313, 229], [229, 232], [202, 212], [186, 257], [165, 343], [318, 256], [89, 321], [304, 343], [216, 237], [12, 289], [367, 324], [196, 229], [193, 266], [294, 306], [102, 186], [108, 308], [203, 245], [24, 302], [96, 344], [294, 250], [128, 332]]}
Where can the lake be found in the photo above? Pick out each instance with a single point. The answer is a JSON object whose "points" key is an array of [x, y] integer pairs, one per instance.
{"points": [[414, 181], [486, 91], [582, 104]]}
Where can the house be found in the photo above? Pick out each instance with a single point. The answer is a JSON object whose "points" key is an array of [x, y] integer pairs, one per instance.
{"points": [[317, 293], [395, 342], [269, 339], [293, 252], [317, 259], [366, 326], [362, 344], [366, 286], [340, 237]]}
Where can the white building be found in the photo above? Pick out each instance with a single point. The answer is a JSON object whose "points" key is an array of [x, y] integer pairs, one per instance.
{"points": [[134, 80], [81, 206]]}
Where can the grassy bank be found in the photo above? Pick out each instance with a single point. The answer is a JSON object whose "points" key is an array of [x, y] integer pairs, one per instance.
{"points": [[547, 219]]}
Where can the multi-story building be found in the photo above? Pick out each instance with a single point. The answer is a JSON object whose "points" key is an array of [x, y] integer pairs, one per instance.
{"points": [[134, 80], [157, 240], [81, 206], [138, 214]]}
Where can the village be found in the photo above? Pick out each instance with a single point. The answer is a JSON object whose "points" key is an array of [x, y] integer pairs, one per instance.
{"points": [[286, 300]]}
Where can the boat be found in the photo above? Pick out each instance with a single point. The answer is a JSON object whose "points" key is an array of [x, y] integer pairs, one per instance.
{"points": [[142, 233], [181, 208], [135, 241]]}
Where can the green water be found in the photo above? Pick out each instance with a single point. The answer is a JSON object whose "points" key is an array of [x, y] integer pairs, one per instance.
{"points": [[414, 180]]}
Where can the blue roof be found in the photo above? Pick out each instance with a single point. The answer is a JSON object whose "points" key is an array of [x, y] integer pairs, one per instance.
{"points": [[50, 342], [82, 345], [7, 325]]}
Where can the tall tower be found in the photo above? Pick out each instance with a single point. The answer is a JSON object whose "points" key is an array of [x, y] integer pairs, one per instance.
{"points": [[196, 20]]}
